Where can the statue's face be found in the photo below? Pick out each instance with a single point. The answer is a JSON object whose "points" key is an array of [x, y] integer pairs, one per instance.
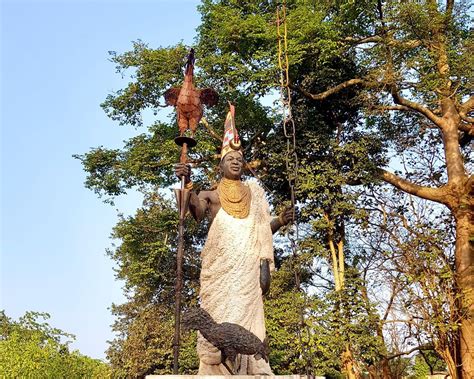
{"points": [[232, 165]]}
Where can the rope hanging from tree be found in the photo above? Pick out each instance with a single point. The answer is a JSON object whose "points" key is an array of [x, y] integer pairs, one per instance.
{"points": [[291, 163]]}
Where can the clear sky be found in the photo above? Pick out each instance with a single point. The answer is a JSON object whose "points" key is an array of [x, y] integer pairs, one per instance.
{"points": [[54, 75]]}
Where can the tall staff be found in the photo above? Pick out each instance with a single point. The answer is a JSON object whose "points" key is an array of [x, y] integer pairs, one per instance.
{"points": [[182, 199], [189, 102]]}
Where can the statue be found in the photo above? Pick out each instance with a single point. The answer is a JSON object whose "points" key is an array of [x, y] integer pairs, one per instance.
{"points": [[239, 247]]}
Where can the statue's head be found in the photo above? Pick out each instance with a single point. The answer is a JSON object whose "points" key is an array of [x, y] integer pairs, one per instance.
{"points": [[232, 165]]}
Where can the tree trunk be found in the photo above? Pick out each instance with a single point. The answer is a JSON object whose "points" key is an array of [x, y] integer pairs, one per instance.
{"points": [[380, 369], [465, 276], [373, 372], [460, 202], [453, 369], [383, 364], [349, 365]]}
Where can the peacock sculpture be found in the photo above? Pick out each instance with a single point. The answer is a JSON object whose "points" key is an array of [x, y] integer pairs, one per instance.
{"points": [[231, 339]]}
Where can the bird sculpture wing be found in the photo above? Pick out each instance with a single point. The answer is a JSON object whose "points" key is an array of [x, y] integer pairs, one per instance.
{"points": [[171, 96], [208, 97]]}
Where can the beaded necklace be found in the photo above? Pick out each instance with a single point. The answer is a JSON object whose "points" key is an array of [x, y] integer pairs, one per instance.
{"points": [[234, 197]]}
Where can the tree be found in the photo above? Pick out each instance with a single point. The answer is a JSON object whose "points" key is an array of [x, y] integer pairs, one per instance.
{"points": [[418, 70], [30, 347], [414, 256]]}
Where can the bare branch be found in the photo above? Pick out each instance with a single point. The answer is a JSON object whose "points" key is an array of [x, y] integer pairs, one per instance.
{"points": [[467, 119], [398, 99], [210, 130], [449, 10], [410, 44], [464, 109], [467, 106], [465, 127], [329, 92], [428, 193], [393, 108], [425, 347], [357, 41], [391, 300], [401, 321]]}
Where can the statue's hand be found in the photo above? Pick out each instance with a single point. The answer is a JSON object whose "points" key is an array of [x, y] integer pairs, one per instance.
{"points": [[287, 216], [182, 169], [265, 276]]}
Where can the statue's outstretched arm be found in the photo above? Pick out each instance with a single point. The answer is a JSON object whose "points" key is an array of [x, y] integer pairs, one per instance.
{"points": [[283, 219]]}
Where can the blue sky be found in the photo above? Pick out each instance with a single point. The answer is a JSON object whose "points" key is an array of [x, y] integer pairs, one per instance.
{"points": [[54, 75]]}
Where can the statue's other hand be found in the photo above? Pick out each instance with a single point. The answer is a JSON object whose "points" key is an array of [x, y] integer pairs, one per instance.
{"points": [[182, 169], [265, 276], [287, 216]]}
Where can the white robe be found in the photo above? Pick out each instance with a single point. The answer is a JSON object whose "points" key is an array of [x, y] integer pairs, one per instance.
{"points": [[230, 279]]}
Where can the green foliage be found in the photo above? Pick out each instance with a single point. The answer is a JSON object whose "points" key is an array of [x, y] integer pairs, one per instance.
{"points": [[145, 343], [424, 364], [400, 367], [152, 71], [146, 259], [30, 347], [427, 363], [113, 172]]}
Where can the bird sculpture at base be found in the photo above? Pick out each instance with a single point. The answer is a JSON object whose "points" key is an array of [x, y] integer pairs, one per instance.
{"points": [[231, 339], [189, 100]]}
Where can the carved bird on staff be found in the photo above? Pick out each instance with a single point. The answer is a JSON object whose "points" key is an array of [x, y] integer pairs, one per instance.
{"points": [[189, 100]]}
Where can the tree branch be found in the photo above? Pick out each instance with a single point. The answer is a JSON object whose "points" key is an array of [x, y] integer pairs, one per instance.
{"points": [[449, 11], [357, 41], [469, 129], [390, 302], [393, 108], [464, 109], [396, 321], [428, 193], [425, 347], [329, 92], [467, 119], [409, 44], [398, 99], [467, 106], [210, 130]]}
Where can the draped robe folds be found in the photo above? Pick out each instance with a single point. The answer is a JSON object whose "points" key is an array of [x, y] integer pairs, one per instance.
{"points": [[230, 280]]}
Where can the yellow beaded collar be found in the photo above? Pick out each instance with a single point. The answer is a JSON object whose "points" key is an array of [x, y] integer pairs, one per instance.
{"points": [[234, 197]]}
